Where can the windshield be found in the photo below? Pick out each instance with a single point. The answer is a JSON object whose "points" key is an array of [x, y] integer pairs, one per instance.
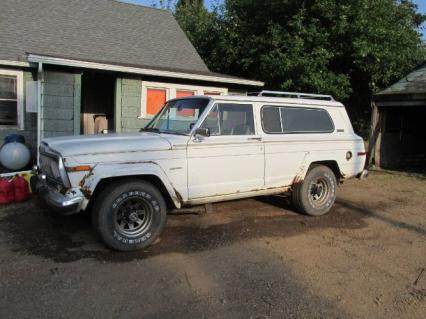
{"points": [[178, 116]]}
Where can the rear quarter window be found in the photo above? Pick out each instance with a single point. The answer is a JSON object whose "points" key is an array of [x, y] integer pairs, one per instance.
{"points": [[287, 120]]}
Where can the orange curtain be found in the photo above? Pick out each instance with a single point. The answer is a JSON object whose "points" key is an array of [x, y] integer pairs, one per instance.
{"points": [[156, 98], [185, 112], [211, 93]]}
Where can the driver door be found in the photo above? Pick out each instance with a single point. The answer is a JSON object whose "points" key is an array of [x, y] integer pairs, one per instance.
{"points": [[231, 159]]}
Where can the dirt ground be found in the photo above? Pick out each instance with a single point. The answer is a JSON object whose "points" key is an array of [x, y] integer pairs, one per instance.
{"points": [[252, 258]]}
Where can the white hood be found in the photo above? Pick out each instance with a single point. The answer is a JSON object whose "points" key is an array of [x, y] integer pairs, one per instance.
{"points": [[107, 143]]}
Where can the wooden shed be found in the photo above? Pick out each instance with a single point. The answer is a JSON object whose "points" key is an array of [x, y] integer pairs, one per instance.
{"points": [[398, 134]]}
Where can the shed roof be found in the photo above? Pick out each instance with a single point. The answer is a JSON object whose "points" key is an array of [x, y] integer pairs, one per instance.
{"points": [[96, 30], [413, 83]]}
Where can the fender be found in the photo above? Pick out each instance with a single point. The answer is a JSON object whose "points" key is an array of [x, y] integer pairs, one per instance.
{"points": [[102, 171], [307, 161]]}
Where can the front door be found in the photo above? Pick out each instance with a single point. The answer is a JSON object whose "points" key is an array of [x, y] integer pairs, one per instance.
{"points": [[231, 159]]}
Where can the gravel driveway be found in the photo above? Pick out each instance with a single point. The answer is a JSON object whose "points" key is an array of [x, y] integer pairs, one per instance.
{"points": [[252, 258]]}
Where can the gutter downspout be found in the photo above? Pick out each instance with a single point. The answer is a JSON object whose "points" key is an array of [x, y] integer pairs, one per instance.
{"points": [[39, 108]]}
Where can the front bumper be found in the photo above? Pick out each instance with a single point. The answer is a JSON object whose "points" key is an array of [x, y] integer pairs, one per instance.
{"points": [[65, 204]]}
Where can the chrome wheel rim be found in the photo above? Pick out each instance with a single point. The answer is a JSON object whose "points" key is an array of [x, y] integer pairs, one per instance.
{"points": [[133, 217], [319, 190]]}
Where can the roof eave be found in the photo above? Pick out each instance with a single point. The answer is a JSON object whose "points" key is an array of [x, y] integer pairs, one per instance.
{"points": [[17, 63], [404, 93], [35, 58]]}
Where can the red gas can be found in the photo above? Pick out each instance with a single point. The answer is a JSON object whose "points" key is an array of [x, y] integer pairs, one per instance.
{"points": [[22, 191], [7, 194]]}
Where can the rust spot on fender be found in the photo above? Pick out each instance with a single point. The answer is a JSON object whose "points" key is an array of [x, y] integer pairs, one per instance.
{"points": [[84, 189], [297, 180], [178, 195], [85, 177], [86, 192]]}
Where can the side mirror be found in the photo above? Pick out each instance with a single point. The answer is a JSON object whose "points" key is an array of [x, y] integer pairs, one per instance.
{"points": [[202, 131]]}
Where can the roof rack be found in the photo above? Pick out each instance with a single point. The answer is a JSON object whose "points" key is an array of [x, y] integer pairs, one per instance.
{"points": [[296, 95]]}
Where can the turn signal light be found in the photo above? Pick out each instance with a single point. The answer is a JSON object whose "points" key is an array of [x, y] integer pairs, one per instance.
{"points": [[80, 168]]}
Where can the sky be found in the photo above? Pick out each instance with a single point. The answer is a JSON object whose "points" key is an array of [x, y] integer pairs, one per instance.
{"points": [[421, 4], [208, 3], [422, 8]]}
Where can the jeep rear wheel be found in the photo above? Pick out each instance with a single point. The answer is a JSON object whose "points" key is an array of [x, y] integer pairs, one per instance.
{"points": [[316, 194], [129, 215]]}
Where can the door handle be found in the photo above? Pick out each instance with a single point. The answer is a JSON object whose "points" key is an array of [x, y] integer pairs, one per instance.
{"points": [[258, 138]]}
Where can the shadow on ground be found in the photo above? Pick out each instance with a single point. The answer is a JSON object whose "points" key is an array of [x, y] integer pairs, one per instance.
{"points": [[33, 231]]}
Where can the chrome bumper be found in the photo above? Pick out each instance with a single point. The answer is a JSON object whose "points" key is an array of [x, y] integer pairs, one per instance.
{"points": [[65, 204]]}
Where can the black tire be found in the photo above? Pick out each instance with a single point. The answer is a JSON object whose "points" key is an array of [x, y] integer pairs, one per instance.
{"points": [[129, 215], [316, 194]]}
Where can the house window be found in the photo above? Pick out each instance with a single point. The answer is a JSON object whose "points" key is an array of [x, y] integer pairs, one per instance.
{"points": [[210, 93], [180, 93], [185, 112], [11, 95], [155, 99], [154, 96]]}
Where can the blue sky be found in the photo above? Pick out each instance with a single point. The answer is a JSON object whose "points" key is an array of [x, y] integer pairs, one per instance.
{"points": [[422, 9], [209, 3]]}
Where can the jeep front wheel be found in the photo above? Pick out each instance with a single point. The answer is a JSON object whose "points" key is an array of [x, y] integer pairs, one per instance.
{"points": [[317, 193], [129, 215]]}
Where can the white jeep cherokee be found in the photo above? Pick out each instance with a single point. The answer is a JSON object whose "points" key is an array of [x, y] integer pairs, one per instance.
{"points": [[200, 150]]}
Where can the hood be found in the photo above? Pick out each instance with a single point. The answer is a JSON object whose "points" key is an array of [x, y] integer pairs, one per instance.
{"points": [[107, 143]]}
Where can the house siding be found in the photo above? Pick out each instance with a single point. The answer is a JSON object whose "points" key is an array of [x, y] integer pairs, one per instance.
{"points": [[131, 91], [61, 93]]}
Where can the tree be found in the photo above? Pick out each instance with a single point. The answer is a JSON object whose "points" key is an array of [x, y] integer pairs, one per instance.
{"points": [[347, 48], [182, 3], [202, 28]]}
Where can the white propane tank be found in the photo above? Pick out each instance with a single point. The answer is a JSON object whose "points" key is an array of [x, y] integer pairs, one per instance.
{"points": [[14, 156]]}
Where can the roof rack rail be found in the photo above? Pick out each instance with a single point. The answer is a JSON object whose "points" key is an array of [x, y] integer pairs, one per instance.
{"points": [[296, 95]]}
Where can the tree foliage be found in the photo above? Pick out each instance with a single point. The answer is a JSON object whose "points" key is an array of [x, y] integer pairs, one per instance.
{"points": [[347, 48]]}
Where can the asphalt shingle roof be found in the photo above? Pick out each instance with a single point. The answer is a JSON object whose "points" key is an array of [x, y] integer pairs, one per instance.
{"points": [[413, 83], [96, 30]]}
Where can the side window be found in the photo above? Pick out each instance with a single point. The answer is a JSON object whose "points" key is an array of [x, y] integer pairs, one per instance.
{"points": [[271, 119], [306, 120], [212, 121], [296, 120], [230, 119]]}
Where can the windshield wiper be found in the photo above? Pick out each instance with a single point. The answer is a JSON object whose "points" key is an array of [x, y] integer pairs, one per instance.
{"points": [[149, 129], [172, 132]]}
